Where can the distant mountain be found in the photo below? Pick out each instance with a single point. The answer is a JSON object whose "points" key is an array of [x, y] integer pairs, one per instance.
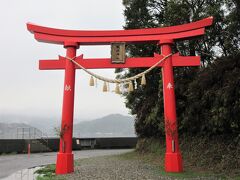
{"points": [[13, 126], [114, 125]]}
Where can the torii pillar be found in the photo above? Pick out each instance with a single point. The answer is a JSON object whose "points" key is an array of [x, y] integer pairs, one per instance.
{"points": [[65, 159], [173, 158]]}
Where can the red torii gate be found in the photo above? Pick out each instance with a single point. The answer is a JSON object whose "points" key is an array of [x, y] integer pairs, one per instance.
{"points": [[72, 39]]}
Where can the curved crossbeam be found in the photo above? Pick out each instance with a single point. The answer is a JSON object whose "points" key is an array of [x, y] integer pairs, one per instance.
{"points": [[85, 37]]}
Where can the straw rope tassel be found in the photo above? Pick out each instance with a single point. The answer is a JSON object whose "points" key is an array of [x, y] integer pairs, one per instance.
{"points": [[130, 86], [117, 89], [91, 82], [105, 86], [108, 86], [96, 82], [143, 80]]}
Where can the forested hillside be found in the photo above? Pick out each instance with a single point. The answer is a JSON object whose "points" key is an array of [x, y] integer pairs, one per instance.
{"points": [[208, 97]]}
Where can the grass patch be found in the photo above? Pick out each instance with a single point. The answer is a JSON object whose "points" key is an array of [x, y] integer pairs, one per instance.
{"points": [[48, 173], [156, 162], [203, 157]]}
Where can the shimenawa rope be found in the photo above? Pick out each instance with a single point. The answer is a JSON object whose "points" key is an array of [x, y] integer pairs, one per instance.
{"points": [[118, 81]]}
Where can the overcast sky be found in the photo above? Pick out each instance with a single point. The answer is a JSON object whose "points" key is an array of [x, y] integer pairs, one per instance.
{"points": [[25, 90]]}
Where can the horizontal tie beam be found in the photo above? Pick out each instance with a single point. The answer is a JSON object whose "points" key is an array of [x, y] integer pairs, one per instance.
{"points": [[139, 62]]}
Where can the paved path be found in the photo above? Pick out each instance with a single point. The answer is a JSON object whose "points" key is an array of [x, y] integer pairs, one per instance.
{"points": [[12, 163]]}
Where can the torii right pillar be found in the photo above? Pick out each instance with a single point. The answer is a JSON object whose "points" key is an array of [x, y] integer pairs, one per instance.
{"points": [[173, 157]]}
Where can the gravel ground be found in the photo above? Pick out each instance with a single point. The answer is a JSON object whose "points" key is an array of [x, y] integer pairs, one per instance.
{"points": [[116, 168], [111, 168]]}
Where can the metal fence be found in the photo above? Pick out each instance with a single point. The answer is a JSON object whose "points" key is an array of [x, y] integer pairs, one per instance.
{"points": [[29, 133], [22, 133]]}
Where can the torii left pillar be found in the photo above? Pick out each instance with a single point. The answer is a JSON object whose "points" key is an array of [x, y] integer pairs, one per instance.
{"points": [[65, 159]]}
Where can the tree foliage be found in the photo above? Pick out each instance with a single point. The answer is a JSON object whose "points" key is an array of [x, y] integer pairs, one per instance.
{"points": [[212, 103], [198, 111]]}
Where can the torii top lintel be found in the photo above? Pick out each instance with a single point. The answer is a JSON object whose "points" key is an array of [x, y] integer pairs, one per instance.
{"points": [[85, 37]]}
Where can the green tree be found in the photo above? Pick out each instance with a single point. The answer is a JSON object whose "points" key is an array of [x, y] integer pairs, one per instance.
{"points": [[213, 103], [222, 39]]}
